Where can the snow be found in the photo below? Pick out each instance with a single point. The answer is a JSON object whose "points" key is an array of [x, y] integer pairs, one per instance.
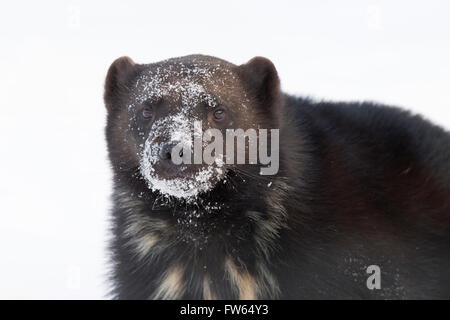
{"points": [[187, 187], [154, 85]]}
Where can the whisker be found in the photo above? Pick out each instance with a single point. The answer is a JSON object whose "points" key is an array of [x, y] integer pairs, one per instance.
{"points": [[252, 175]]}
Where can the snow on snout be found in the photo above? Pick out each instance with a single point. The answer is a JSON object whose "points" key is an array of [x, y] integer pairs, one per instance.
{"points": [[179, 129]]}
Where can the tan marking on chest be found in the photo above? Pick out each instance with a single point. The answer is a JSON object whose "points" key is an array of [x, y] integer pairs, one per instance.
{"points": [[242, 280], [144, 235], [208, 294], [145, 244], [172, 285]]}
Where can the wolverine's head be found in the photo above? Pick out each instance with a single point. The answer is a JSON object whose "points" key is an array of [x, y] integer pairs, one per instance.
{"points": [[171, 123]]}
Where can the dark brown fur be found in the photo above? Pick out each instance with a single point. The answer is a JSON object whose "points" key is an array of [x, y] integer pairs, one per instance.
{"points": [[359, 184]]}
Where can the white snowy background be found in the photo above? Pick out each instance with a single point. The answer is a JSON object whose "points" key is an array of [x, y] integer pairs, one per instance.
{"points": [[54, 176]]}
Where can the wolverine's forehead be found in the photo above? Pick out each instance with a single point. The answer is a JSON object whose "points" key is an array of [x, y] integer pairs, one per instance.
{"points": [[190, 80]]}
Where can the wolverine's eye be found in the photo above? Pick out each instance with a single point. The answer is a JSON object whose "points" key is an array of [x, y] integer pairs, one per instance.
{"points": [[147, 113], [219, 115]]}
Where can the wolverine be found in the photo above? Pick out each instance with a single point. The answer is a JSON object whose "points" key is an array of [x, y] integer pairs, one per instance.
{"points": [[357, 185]]}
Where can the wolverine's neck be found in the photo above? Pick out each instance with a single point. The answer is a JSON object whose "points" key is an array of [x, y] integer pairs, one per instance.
{"points": [[226, 253]]}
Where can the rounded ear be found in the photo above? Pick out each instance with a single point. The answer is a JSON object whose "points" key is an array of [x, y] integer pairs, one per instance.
{"points": [[261, 77], [118, 75]]}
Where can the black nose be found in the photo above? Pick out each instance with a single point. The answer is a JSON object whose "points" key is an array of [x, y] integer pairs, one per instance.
{"points": [[165, 152]]}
